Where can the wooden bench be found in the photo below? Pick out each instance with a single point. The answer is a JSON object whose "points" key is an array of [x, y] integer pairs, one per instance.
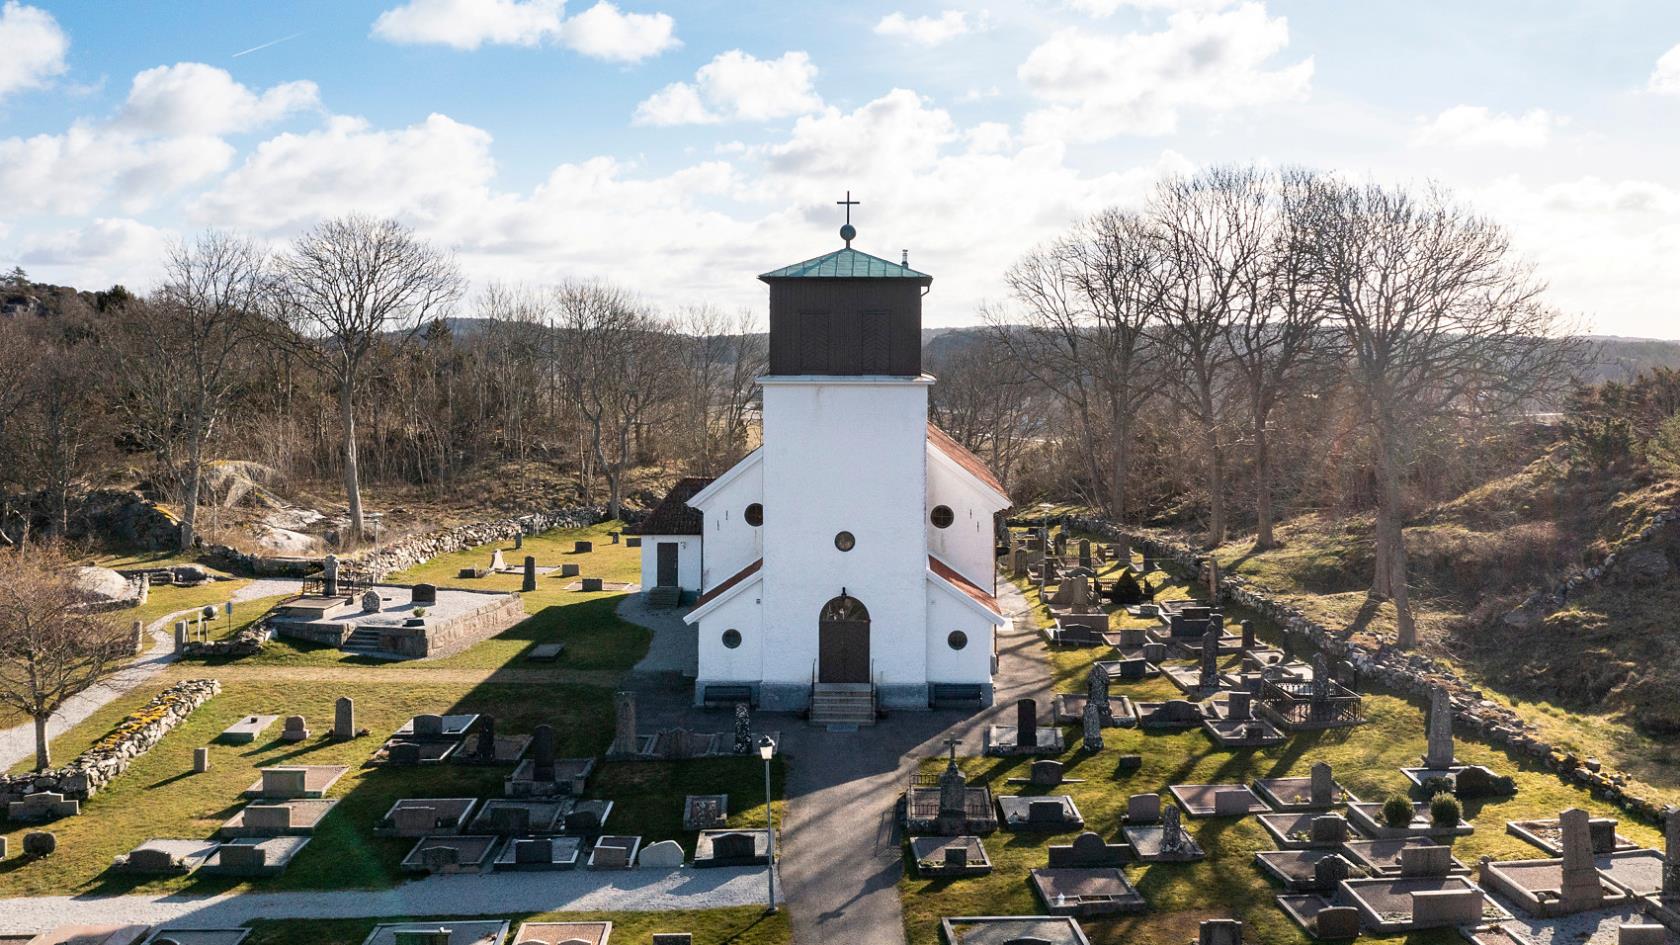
{"points": [[956, 695], [726, 696]]}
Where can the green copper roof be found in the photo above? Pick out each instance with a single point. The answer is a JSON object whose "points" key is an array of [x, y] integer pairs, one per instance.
{"points": [[847, 263]]}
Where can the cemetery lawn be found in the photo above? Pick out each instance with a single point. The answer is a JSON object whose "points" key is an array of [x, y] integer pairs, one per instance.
{"points": [[1365, 760], [740, 925], [160, 798]]}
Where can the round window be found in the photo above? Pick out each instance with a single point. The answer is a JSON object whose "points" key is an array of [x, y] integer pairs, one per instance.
{"points": [[732, 638], [942, 516], [957, 640], [844, 541], [755, 515]]}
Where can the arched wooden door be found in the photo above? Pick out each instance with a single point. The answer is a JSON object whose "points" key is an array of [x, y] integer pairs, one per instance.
{"points": [[843, 641]]}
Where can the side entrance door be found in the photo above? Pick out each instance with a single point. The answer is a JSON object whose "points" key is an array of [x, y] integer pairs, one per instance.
{"points": [[667, 576]]}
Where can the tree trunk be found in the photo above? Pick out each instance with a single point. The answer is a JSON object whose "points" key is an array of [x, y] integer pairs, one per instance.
{"points": [[352, 474], [1118, 453], [1393, 532], [43, 753], [195, 479], [1263, 537], [1216, 490]]}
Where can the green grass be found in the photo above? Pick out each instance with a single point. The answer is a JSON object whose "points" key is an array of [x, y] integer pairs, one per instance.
{"points": [[1365, 759], [741, 925]]}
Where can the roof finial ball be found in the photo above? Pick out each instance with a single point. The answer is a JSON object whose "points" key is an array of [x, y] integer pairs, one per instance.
{"points": [[848, 232]]}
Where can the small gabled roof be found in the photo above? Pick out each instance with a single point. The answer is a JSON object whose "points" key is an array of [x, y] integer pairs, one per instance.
{"points": [[737, 580], [847, 263], [968, 588], [674, 516]]}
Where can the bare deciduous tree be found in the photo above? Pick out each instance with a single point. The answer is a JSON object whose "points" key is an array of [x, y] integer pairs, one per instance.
{"points": [[722, 358], [51, 646], [350, 283]]}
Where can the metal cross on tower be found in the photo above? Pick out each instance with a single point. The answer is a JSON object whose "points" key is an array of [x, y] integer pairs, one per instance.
{"points": [[848, 232]]}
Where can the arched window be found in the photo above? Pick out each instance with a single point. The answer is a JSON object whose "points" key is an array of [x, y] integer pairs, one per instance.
{"points": [[755, 515], [942, 516], [844, 607]]}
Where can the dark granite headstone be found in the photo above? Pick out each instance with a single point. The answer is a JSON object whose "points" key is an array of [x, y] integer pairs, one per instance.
{"points": [[542, 753], [424, 594], [1026, 723]]}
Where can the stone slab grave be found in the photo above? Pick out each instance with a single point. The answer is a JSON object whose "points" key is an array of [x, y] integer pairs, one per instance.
{"points": [[1010, 930], [1069, 709], [732, 848], [87, 935], [1637, 872], [504, 816], [545, 652], [460, 853], [1172, 714], [543, 775], [1383, 857], [563, 933], [1299, 870], [413, 817], [1306, 830], [286, 782], [41, 807], [705, 811], [1319, 791], [1088, 850], [1045, 772], [1547, 834], [1025, 737], [246, 730], [165, 857], [1319, 917], [1366, 817], [614, 852], [432, 728], [1165, 842], [404, 753], [254, 856], [1129, 668], [940, 857], [296, 817], [486, 746], [1086, 891], [198, 936], [1217, 800], [587, 818], [453, 932], [950, 807], [1546, 889], [1390, 905], [1052, 813], [593, 585], [540, 853], [1243, 733]]}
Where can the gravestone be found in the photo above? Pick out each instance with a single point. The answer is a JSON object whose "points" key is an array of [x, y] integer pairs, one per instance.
{"points": [[1348, 675], [296, 729], [1602, 830], [583, 547], [403, 753], [423, 594], [672, 938], [1239, 706], [1087, 851], [1580, 887], [1045, 772], [1232, 803], [1433, 860], [438, 858], [201, 760], [732, 847], [518, 541], [284, 782], [183, 636], [1096, 693], [1208, 678], [1330, 871], [497, 562], [1220, 932], [1085, 553], [267, 820], [1640, 933], [1337, 922], [1321, 679], [956, 857], [666, 854], [1092, 735], [743, 729], [1440, 752], [542, 753], [953, 795], [1132, 670], [1671, 858], [529, 851], [152, 860], [569, 570], [1045, 812], [39, 843], [329, 576], [1026, 723], [484, 746], [414, 820], [42, 806], [344, 718], [530, 582], [1442, 907], [1323, 785], [138, 632], [1247, 634], [1143, 808], [1128, 764], [1173, 837], [428, 726], [1329, 830], [591, 584], [372, 603], [1154, 652]]}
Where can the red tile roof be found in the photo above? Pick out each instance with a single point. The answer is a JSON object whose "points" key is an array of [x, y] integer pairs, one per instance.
{"points": [[964, 584], [964, 457], [675, 516], [734, 579]]}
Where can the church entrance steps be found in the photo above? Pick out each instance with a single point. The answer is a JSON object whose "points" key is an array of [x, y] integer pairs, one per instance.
{"points": [[842, 704]]}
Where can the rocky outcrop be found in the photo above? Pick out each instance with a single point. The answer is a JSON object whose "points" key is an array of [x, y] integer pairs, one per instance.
{"points": [[1401, 671], [109, 757]]}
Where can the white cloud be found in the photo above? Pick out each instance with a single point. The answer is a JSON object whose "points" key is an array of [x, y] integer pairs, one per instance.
{"points": [[1102, 85], [1474, 126], [1665, 79], [76, 171], [118, 249], [605, 32], [34, 47], [735, 86], [193, 98], [926, 30], [1101, 8], [469, 24], [601, 32]]}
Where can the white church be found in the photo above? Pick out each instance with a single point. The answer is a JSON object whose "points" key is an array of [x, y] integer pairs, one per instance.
{"points": [[848, 562]]}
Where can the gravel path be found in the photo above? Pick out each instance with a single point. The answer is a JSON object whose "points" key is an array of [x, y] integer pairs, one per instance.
{"points": [[18, 742], [674, 648], [494, 894]]}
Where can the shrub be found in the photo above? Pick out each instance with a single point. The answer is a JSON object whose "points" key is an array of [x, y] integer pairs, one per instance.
{"points": [[1477, 781], [39, 844], [1439, 784], [1444, 810], [1397, 811]]}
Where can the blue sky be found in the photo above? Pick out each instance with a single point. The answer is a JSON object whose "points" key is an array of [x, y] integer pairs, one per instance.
{"points": [[682, 147]]}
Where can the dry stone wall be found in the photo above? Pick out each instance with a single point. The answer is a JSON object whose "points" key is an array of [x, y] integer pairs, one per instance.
{"points": [[1397, 670], [109, 757]]}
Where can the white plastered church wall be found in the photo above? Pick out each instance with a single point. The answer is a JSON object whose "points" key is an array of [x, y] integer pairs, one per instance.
{"points": [[968, 546], [845, 454], [740, 610], [948, 611], [731, 543]]}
